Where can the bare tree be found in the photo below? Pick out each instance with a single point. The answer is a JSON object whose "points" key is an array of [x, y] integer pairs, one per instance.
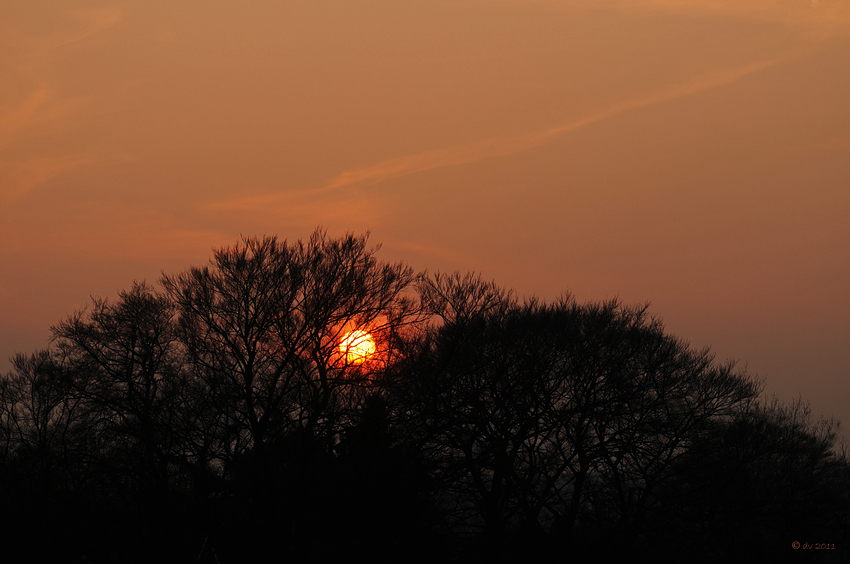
{"points": [[474, 424], [550, 417], [43, 468], [39, 418], [263, 327], [125, 362], [755, 482]]}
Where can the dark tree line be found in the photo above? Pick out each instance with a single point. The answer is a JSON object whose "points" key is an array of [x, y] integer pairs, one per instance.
{"points": [[216, 419]]}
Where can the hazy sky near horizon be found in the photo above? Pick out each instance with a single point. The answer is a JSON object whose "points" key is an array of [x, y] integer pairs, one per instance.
{"points": [[694, 154]]}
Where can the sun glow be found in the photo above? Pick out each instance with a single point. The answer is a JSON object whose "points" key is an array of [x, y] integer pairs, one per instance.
{"points": [[357, 346]]}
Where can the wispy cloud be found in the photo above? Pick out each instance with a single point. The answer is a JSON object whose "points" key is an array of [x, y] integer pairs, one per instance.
{"points": [[17, 177], [40, 106], [508, 145], [812, 19], [76, 26], [14, 117], [336, 194], [94, 21], [33, 57]]}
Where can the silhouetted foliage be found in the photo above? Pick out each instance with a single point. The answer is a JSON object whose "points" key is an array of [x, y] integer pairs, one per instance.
{"points": [[557, 423], [217, 420], [768, 474]]}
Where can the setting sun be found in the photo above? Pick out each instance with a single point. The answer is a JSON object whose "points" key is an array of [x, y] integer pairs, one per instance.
{"points": [[357, 346]]}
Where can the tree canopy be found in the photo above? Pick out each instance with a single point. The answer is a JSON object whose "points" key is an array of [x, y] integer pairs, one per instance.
{"points": [[217, 417]]}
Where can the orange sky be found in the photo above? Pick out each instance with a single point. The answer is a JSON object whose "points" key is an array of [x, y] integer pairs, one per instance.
{"points": [[691, 153]]}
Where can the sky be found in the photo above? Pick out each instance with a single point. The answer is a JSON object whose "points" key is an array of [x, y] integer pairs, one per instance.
{"points": [[690, 154]]}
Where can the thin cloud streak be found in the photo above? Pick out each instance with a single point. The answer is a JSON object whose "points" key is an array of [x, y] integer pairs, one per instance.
{"points": [[508, 145], [18, 178], [41, 107], [15, 117], [95, 20], [813, 19], [43, 110]]}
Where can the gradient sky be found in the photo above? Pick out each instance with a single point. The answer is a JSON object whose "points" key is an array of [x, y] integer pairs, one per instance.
{"points": [[690, 153]]}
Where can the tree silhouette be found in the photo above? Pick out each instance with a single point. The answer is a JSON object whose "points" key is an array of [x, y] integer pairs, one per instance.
{"points": [[754, 483], [264, 324], [39, 420], [551, 418], [136, 403], [218, 419], [262, 328]]}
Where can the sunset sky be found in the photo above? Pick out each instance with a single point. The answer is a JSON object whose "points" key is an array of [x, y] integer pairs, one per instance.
{"points": [[694, 154]]}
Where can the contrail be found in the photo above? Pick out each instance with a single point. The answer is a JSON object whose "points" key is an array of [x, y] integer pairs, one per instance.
{"points": [[507, 145]]}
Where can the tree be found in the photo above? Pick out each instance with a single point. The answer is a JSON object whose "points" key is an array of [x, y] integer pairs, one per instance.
{"points": [[635, 402], [551, 418], [44, 475], [262, 327], [138, 404], [755, 482], [37, 414], [223, 418]]}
